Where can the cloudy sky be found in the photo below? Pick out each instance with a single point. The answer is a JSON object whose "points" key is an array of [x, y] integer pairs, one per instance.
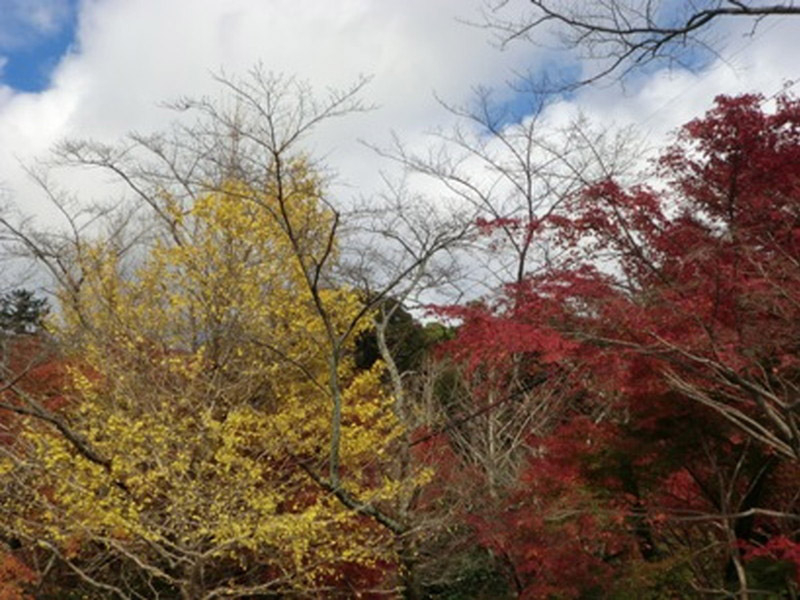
{"points": [[101, 68]]}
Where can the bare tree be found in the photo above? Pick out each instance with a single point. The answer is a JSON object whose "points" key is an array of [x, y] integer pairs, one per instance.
{"points": [[512, 173], [620, 36], [508, 175]]}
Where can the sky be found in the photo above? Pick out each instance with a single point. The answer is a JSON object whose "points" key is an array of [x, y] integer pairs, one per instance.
{"points": [[102, 68], [34, 36]]}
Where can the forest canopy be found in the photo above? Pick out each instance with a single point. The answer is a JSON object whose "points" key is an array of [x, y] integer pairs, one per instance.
{"points": [[234, 396]]}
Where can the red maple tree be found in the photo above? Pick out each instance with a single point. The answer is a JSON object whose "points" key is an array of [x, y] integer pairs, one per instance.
{"points": [[671, 322]]}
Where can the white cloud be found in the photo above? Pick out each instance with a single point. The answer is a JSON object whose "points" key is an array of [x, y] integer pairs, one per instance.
{"points": [[133, 54], [45, 16], [663, 101]]}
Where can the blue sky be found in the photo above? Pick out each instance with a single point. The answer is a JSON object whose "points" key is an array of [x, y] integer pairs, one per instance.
{"points": [[34, 36]]}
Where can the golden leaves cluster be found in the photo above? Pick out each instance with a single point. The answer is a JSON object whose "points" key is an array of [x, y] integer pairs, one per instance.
{"points": [[201, 371]]}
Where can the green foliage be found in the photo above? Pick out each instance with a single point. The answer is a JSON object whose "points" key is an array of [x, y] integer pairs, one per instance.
{"points": [[478, 577], [405, 337], [667, 578], [22, 312], [770, 578]]}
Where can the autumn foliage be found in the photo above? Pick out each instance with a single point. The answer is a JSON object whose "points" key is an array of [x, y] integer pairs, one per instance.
{"points": [[621, 424], [671, 320]]}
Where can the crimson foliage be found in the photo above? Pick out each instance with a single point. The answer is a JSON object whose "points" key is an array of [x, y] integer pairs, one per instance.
{"points": [[672, 323]]}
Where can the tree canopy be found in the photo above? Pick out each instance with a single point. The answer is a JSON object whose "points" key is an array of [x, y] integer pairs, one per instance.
{"points": [[233, 398]]}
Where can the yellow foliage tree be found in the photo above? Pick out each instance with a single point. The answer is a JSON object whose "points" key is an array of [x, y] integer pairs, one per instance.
{"points": [[215, 437], [201, 380]]}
